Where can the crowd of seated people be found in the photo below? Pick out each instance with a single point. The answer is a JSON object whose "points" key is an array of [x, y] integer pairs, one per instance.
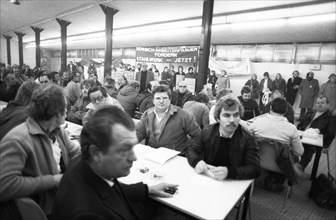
{"points": [[170, 116]]}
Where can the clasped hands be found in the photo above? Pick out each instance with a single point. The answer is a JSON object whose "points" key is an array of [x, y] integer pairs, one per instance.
{"points": [[218, 173]]}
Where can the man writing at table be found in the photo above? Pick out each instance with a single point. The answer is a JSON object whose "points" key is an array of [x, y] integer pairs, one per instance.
{"points": [[322, 122], [90, 189], [225, 148]]}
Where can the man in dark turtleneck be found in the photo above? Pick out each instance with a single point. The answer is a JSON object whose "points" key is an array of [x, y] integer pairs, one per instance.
{"points": [[308, 90], [144, 77]]}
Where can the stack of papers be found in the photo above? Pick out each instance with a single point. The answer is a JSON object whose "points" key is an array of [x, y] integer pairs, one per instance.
{"points": [[160, 155]]}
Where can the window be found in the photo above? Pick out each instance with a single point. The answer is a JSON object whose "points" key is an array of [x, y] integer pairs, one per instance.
{"points": [[283, 53], [233, 52], [308, 53], [328, 53], [265, 52], [248, 51]]}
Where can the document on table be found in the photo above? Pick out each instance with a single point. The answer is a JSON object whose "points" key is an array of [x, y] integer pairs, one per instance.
{"points": [[160, 155]]}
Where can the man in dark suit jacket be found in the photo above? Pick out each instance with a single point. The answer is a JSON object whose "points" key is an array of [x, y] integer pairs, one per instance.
{"points": [[90, 190], [320, 120]]}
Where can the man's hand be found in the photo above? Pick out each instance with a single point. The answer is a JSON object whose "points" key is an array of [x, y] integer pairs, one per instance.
{"points": [[201, 167], [158, 190], [57, 178], [220, 173]]}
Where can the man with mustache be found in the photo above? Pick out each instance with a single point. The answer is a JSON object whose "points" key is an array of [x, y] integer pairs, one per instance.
{"points": [[224, 150]]}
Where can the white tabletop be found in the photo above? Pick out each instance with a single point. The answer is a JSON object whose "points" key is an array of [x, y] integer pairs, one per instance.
{"points": [[198, 196], [312, 141]]}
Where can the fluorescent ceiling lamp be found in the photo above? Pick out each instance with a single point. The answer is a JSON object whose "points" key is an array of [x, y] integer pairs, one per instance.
{"points": [[258, 24], [312, 19]]}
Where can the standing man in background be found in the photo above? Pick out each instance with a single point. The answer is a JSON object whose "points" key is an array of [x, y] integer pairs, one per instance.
{"points": [[308, 90], [144, 77]]}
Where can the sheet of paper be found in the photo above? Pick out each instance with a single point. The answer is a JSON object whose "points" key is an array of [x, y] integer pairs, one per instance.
{"points": [[205, 181], [161, 155]]}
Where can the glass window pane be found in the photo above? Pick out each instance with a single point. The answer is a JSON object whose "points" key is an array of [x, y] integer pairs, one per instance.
{"points": [[129, 53], [307, 53], [248, 51], [283, 53], [328, 53], [233, 52], [220, 51], [265, 52]]}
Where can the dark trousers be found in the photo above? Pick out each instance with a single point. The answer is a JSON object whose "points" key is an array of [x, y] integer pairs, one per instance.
{"points": [[307, 155], [303, 112]]}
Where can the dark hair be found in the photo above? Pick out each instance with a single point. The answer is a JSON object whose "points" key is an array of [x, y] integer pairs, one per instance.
{"points": [[309, 73], [52, 75], [110, 81], [223, 93], [97, 88], [47, 102], [25, 92], [149, 86], [245, 89], [30, 73], [163, 82], [88, 82], [323, 96], [227, 102], [45, 74], [161, 88], [99, 129], [266, 74], [202, 97], [74, 75], [190, 68], [279, 105], [6, 73]]}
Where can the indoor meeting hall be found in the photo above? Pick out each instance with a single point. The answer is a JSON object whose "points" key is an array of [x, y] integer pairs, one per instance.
{"points": [[167, 109]]}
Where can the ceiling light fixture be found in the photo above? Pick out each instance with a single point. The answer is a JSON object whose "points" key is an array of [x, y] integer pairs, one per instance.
{"points": [[16, 2]]}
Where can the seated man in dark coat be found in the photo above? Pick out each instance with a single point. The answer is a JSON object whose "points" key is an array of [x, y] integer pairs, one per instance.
{"points": [[181, 95], [320, 120], [225, 150], [90, 189], [251, 108]]}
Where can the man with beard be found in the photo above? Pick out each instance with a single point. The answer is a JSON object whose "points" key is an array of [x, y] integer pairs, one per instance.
{"points": [[144, 77], [224, 150], [308, 90], [293, 85], [251, 108]]}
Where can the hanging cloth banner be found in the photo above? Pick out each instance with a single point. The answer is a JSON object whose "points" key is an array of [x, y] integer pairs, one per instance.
{"points": [[232, 68], [167, 54]]}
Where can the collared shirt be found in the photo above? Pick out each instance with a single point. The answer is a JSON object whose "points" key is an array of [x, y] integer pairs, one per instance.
{"points": [[157, 116], [56, 153]]}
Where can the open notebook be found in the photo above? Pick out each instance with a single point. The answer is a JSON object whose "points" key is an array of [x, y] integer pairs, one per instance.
{"points": [[160, 155]]}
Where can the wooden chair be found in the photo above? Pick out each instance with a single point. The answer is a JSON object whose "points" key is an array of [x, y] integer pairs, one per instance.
{"points": [[30, 210], [269, 152]]}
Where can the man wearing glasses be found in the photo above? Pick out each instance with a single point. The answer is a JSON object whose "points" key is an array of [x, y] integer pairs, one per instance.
{"points": [[99, 98], [182, 95], [166, 125]]}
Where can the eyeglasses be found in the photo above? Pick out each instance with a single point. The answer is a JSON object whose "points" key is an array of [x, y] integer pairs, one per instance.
{"points": [[99, 99], [182, 86]]}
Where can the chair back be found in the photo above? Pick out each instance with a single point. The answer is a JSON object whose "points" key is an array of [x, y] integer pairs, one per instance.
{"points": [[30, 210], [269, 152]]}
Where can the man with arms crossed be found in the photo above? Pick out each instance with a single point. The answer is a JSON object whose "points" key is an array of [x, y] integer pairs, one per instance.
{"points": [[90, 190]]}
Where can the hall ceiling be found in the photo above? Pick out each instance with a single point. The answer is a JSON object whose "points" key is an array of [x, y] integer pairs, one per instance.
{"points": [[86, 16]]}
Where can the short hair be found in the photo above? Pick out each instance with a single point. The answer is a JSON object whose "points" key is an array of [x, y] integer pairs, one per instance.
{"points": [[134, 84], [99, 129], [266, 74], [245, 89], [190, 68], [227, 102], [163, 82], [110, 81], [202, 97], [279, 92], [162, 88], [223, 93], [279, 105], [88, 82], [323, 96], [52, 75], [74, 74], [45, 74], [97, 88], [25, 92], [47, 102], [93, 74], [30, 73]]}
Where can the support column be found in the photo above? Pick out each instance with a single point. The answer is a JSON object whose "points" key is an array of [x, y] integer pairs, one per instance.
{"points": [[37, 45], [63, 25], [20, 36], [9, 60], [204, 51], [109, 13]]}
